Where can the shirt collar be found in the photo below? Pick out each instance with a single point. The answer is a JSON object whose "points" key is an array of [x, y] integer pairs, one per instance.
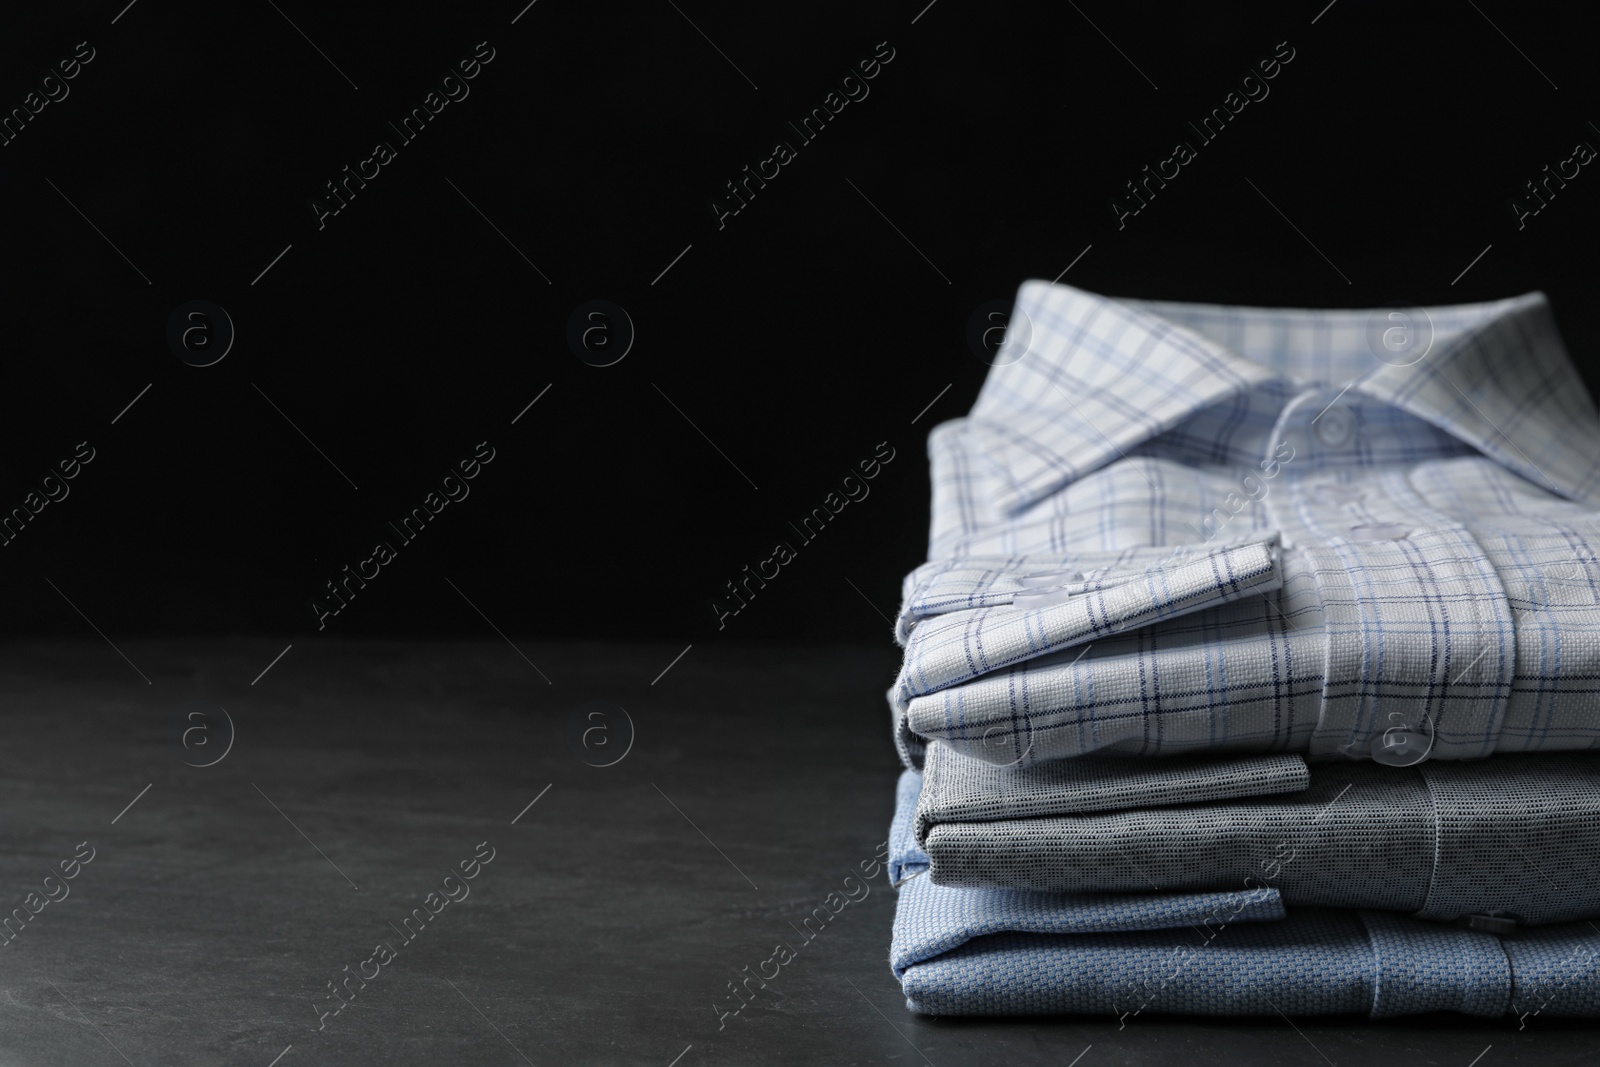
{"points": [[1083, 378]]}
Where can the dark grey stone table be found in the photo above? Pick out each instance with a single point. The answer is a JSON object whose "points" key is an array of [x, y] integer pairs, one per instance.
{"points": [[218, 907]]}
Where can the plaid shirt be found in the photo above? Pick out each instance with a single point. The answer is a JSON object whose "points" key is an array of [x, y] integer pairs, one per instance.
{"points": [[1177, 528]]}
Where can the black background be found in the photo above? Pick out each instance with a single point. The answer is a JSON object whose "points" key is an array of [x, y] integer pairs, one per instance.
{"points": [[796, 338]]}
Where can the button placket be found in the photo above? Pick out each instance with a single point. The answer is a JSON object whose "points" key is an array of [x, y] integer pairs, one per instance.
{"points": [[1438, 690]]}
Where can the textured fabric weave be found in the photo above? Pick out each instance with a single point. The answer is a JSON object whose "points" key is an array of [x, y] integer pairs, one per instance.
{"points": [[959, 789], [1260, 536], [933, 919], [991, 952], [1518, 835]]}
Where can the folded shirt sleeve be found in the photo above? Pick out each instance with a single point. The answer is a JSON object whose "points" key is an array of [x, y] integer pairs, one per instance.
{"points": [[947, 650], [1519, 837], [1464, 644], [958, 646]]}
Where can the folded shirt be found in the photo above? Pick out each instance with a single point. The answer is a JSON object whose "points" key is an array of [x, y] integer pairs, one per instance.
{"points": [[932, 919], [1516, 837], [1174, 528], [1007, 952]]}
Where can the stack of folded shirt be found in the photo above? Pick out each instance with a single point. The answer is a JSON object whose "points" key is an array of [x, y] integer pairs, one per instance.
{"points": [[1255, 669]]}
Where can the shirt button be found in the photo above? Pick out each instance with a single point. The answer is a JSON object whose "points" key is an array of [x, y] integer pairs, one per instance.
{"points": [[1380, 531], [1494, 923], [1049, 580], [1335, 426], [1401, 746]]}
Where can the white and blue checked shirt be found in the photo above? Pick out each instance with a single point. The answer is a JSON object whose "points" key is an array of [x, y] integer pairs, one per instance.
{"points": [[1174, 528]]}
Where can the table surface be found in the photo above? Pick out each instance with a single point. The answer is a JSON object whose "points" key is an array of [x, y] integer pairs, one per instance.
{"points": [[613, 915]]}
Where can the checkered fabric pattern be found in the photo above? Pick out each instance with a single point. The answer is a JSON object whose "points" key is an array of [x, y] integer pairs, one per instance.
{"points": [[1170, 528], [960, 951]]}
